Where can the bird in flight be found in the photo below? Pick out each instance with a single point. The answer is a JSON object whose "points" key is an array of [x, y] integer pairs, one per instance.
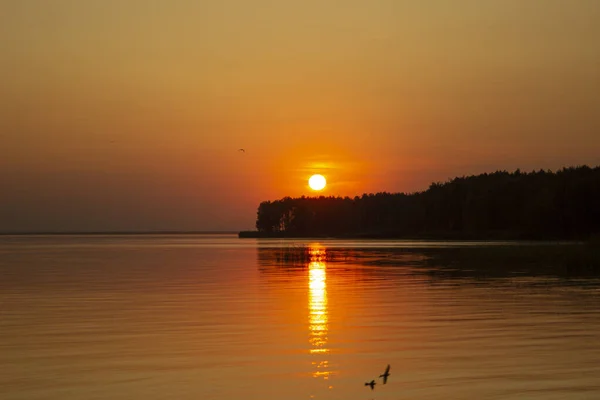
{"points": [[385, 374], [242, 150], [372, 384]]}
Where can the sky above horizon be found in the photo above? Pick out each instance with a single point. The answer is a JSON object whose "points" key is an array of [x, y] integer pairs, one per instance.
{"points": [[129, 115]]}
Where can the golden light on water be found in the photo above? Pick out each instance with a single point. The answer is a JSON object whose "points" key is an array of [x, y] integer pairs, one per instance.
{"points": [[317, 307], [318, 318]]}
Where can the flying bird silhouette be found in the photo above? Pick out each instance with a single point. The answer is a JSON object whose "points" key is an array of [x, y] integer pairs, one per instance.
{"points": [[372, 384], [242, 150], [385, 374]]}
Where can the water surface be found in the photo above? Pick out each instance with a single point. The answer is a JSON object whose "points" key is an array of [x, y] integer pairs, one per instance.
{"points": [[216, 317]]}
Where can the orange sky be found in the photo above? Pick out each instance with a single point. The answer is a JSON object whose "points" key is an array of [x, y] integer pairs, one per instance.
{"points": [[128, 115]]}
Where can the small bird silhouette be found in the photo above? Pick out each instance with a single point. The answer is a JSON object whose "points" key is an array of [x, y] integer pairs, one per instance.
{"points": [[372, 384], [242, 150], [385, 374]]}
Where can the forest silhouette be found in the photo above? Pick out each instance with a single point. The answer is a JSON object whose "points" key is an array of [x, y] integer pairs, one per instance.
{"points": [[502, 205]]}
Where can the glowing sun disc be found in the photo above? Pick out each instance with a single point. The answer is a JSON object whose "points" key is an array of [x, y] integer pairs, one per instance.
{"points": [[317, 182]]}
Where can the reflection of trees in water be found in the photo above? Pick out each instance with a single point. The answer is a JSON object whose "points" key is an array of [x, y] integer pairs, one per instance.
{"points": [[299, 257], [561, 261], [473, 263]]}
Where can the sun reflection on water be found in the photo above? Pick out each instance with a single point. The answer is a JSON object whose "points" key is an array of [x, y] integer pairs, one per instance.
{"points": [[317, 305]]}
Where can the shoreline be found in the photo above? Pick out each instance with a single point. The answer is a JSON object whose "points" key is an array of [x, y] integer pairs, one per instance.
{"points": [[490, 236]]}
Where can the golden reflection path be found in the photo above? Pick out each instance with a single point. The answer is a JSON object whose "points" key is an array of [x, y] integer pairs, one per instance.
{"points": [[317, 311]]}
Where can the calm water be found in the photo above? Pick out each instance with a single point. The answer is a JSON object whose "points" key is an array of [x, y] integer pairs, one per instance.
{"points": [[215, 317]]}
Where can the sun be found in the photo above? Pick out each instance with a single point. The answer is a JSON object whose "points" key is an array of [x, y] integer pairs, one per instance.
{"points": [[317, 182]]}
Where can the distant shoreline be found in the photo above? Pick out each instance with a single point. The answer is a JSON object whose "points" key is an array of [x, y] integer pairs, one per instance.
{"points": [[109, 233], [503, 236]]}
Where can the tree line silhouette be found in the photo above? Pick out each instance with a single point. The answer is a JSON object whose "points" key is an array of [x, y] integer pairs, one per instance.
{"points": [[537, 205]]}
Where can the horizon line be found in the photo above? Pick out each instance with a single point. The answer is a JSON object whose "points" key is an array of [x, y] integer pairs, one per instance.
{"points": [[158, 232]]}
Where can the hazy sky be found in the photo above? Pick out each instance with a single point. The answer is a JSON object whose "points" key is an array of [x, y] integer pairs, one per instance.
{"points": [[127, 115]]}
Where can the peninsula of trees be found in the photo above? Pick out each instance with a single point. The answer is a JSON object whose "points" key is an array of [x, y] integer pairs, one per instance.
{"points": [[538, 205]]}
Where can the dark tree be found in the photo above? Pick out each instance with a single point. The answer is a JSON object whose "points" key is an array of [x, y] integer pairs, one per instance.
{"points": [[543, 204]]}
